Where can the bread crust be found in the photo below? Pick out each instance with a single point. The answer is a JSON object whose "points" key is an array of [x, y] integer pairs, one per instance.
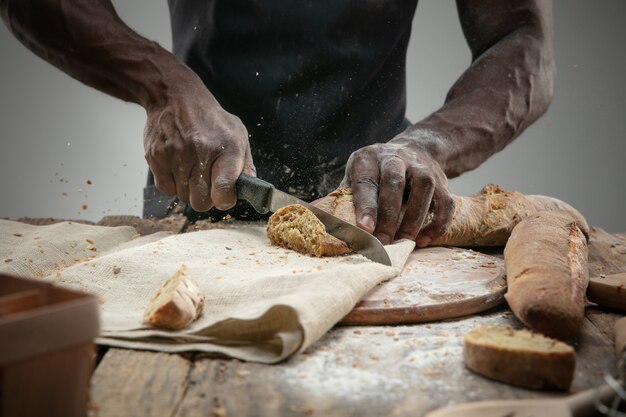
{"points": [[493, 352], [176, 304], [547, 274]]}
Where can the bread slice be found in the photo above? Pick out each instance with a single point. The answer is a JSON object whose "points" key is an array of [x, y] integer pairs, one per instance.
{"points": [[519, 357], [296, 227], [176, 304]]}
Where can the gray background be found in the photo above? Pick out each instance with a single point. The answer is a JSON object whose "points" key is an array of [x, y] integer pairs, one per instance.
{"points": [[57, 134]]}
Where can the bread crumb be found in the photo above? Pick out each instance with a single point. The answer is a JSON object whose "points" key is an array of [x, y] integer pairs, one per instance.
{"points": [[84, 207], [357, 332], [390, 333], [431, 372], [218, 412]]}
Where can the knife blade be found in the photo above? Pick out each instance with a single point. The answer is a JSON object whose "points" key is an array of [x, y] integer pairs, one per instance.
{"points": [[264, 197]]}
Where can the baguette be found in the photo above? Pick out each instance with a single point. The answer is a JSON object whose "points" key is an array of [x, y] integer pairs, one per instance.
{"points": [[519, 357], [296, 227], [547, 275], [488, 217], [176, 304]]}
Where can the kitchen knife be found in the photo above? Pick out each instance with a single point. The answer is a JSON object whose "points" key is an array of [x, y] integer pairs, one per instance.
{"points": [[264, 197]]}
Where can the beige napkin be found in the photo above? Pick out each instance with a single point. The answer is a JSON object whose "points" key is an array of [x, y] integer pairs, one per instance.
{"points": [[263, 303]]}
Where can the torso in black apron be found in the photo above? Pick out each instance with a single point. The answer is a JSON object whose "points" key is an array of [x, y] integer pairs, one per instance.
{"points": [[312, 81]]}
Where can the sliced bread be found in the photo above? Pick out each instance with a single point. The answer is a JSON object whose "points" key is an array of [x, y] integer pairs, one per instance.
{"points": [[296, 227], [176, 304], [519, 357]]}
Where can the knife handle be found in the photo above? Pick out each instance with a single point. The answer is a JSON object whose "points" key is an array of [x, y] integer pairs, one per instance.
{"points": [[255, 191]]}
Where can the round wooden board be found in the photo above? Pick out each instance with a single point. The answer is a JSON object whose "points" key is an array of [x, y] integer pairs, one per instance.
{"points": [[435, 284]]}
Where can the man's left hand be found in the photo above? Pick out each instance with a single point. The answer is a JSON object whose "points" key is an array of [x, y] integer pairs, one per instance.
{"points": [[383, 176]]}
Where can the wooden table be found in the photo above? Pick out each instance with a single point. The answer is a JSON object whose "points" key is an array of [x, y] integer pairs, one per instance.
{"points": [[352, 371]]}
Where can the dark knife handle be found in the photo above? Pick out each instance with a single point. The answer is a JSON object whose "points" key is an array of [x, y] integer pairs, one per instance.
{"points": [[255, 191]]}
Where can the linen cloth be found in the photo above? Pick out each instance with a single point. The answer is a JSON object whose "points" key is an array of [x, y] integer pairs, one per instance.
{"points": [[263, 303]]}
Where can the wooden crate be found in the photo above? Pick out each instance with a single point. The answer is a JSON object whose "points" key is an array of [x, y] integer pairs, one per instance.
{"points": [[46, 348]]}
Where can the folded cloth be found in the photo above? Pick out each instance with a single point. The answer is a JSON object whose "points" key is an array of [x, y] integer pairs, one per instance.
{"points": [[263, 303]]}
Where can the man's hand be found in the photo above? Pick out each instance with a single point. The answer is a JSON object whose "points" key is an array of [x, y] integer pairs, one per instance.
{"points": [[195, 149], [385, 175], [507, 87]]}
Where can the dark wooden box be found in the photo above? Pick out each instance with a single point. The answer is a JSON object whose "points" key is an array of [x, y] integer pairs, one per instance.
{"points": [[46, 348]]}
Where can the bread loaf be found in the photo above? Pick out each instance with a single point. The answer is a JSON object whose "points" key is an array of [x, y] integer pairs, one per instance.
{"points": [[519, 357], [486, 218], [547, 276], [296, 227], [176, 304]]}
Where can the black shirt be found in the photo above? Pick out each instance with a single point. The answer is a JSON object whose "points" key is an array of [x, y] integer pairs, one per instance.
{"points": [[311, 80]]}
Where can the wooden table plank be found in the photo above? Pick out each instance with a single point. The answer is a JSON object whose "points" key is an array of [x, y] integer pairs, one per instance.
{"points": [[138, 383]]}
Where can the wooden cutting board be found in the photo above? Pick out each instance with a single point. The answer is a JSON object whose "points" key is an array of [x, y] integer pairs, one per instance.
{"points": [[435, 284]]}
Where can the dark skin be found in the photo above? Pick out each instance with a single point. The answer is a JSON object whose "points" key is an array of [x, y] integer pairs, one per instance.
{"points": [[196, 150]]}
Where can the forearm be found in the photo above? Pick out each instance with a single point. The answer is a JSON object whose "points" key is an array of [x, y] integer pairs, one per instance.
{"points": [[87, 40], [508, 86]]}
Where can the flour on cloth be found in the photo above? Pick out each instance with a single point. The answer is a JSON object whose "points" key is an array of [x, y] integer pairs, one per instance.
{"points": [[263, 303]]}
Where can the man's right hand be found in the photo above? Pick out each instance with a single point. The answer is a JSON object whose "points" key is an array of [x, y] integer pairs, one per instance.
{"points": [[195, 149]]}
